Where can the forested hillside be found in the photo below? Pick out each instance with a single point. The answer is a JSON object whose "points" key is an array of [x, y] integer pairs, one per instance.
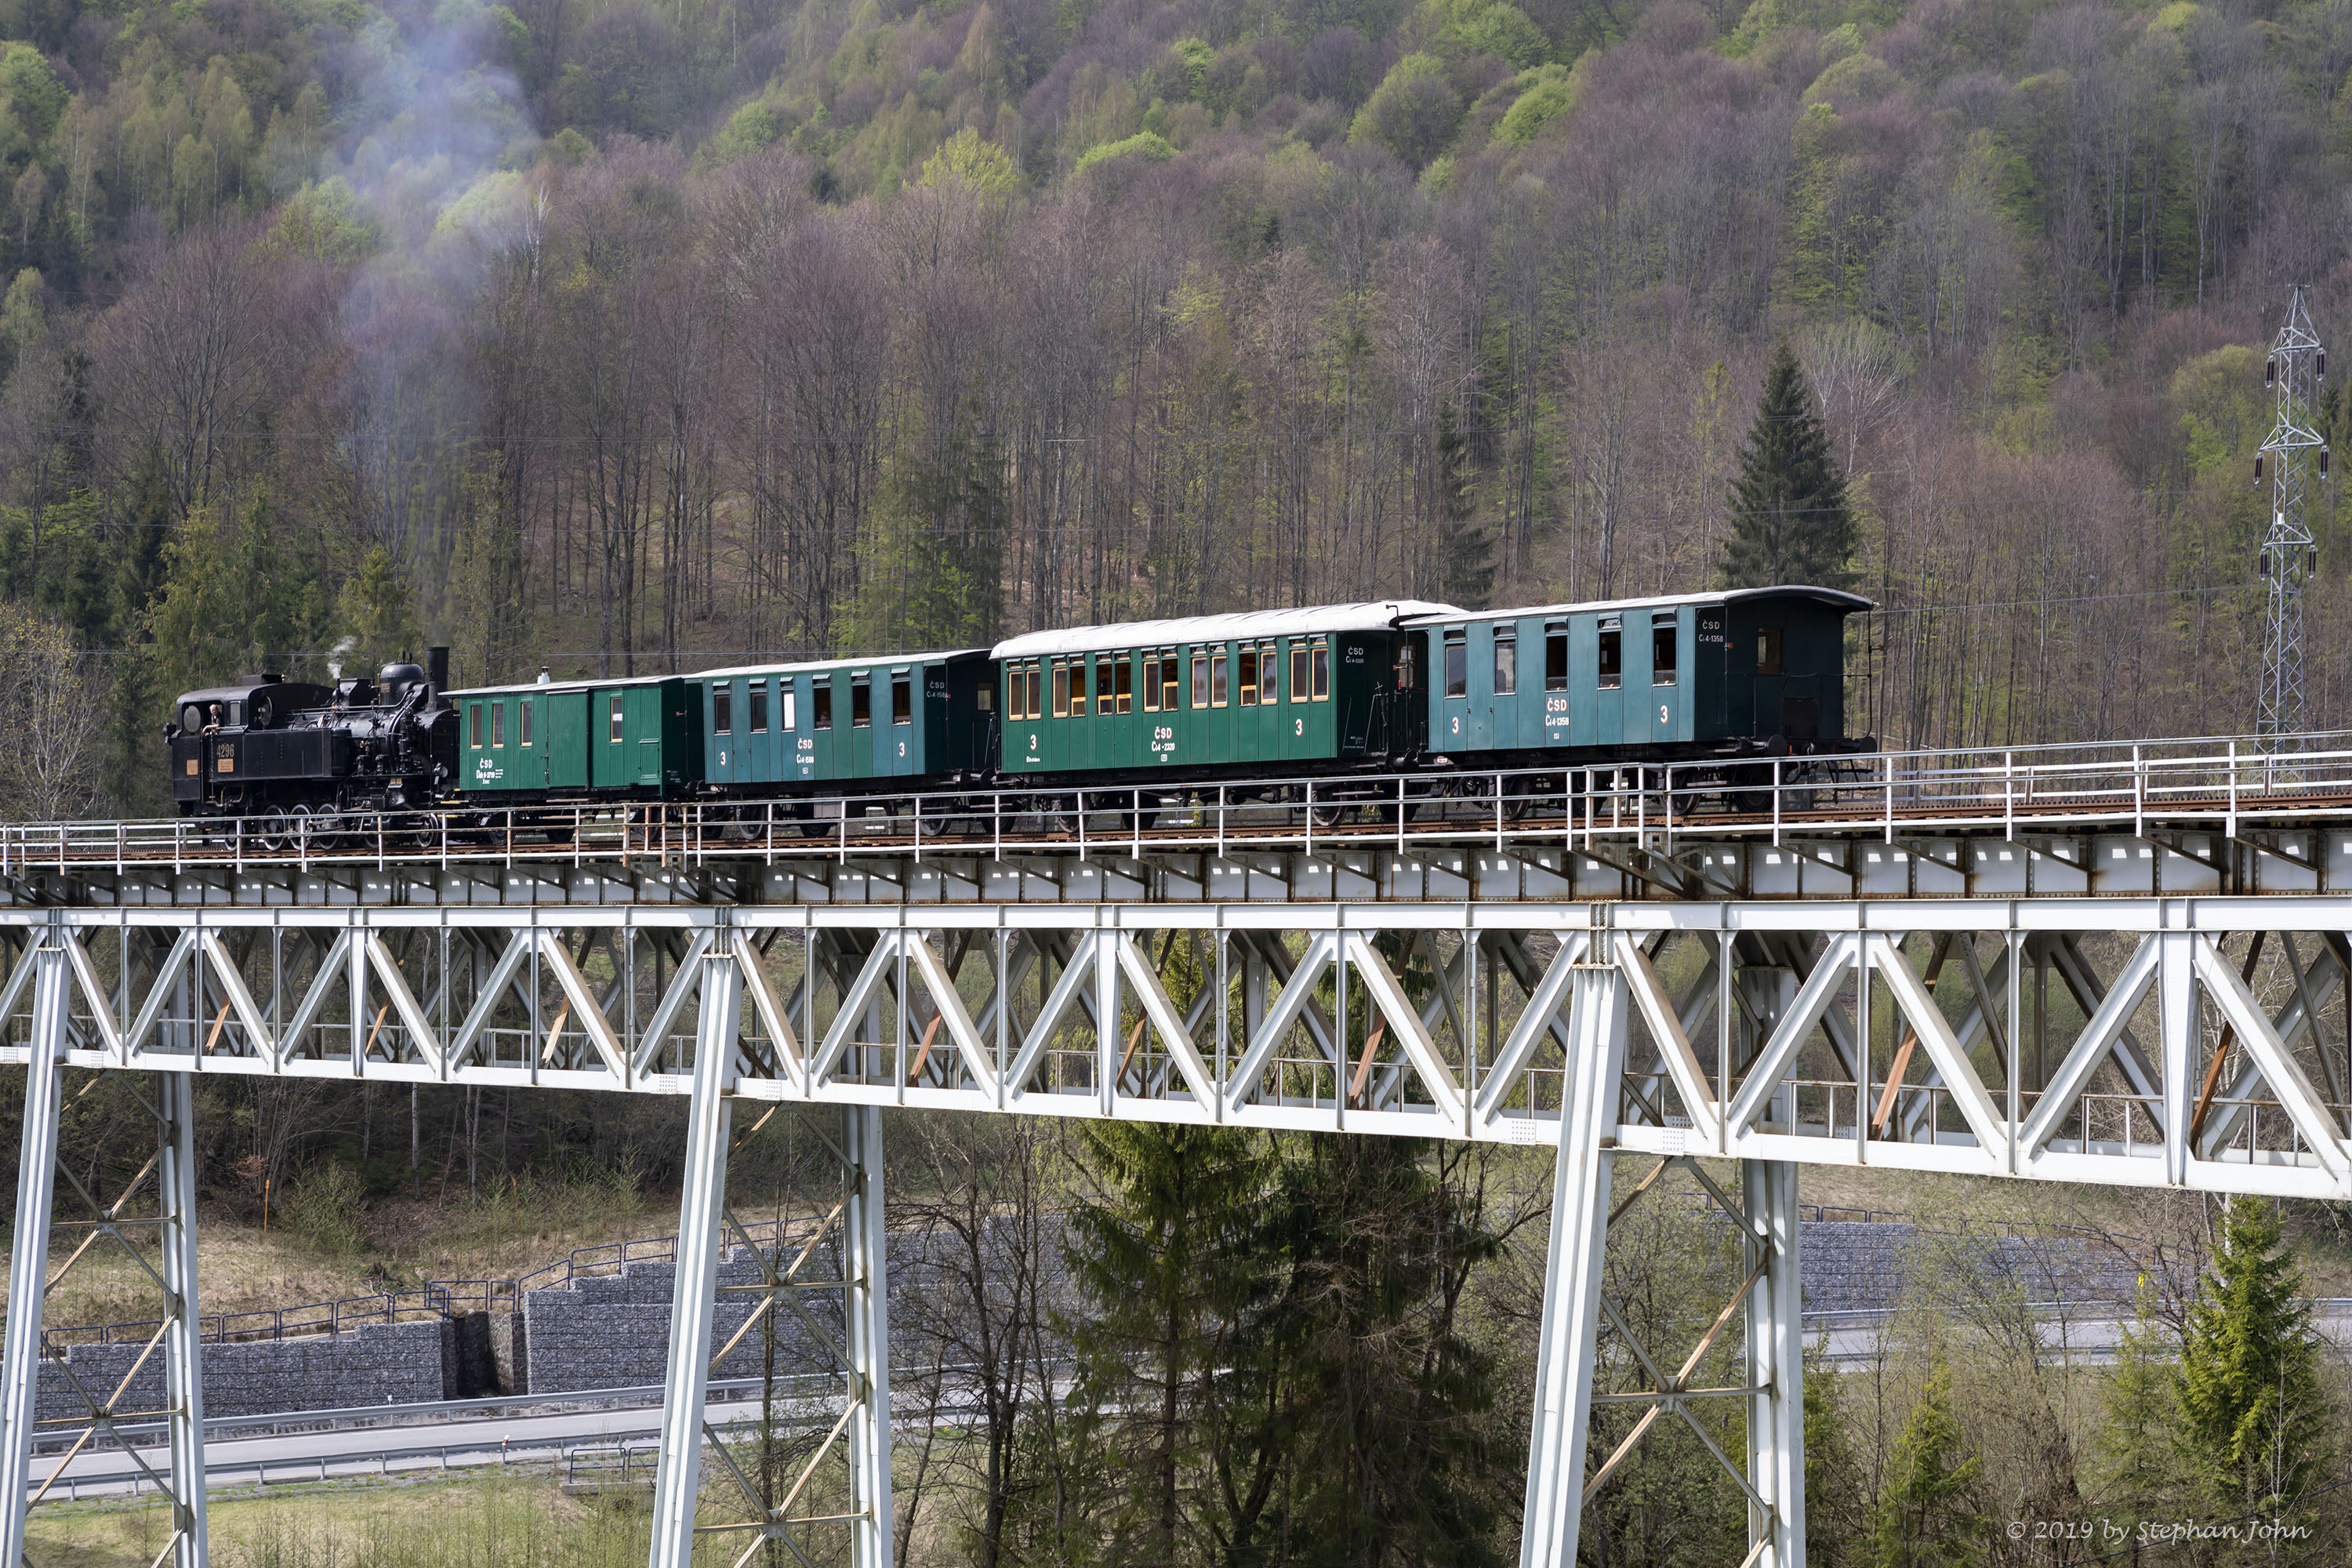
{"points": [[607, 334]]}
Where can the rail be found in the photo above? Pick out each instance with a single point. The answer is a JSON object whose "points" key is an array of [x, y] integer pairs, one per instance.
{"points": [[2216, 781]]}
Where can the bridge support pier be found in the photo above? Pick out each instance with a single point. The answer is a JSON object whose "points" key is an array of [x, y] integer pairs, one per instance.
{"points": [[179, 1330], [28, 1262], [869, 1312], [184, 1376], [1776, 1366], [705, 1225], [686, 1391], [1568, 1362], [1580, 1237]]}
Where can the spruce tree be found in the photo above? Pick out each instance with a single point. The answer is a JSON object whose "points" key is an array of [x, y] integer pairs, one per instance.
{"points": [[1162, 1251], [2139, 1426], [2253, 1418], [1789, 519], [1926, 1516]]}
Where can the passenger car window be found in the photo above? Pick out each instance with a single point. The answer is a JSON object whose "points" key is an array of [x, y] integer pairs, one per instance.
{"points": [[1152, 684], [1199, 681], [1299, 680], [722, 709], [1062, 691], [1124, 683], [1269, 660], [823, 718], [1457, 664], [1506, 660], [1217, 679], [1662, 651], [473, 725], [1249, 676], [1768, 648], [1611, 654], [1321, 678], [620, 722], [786, 694], [758, 708], [1555, 656], [902, 699], [861, 703], [522, 721]]}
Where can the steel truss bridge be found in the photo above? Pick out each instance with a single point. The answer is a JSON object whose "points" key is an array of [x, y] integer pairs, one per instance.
{"points": [[2122, 964]]}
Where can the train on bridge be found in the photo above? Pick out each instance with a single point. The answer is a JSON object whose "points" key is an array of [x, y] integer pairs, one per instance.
{"points": [[1326, 693]]}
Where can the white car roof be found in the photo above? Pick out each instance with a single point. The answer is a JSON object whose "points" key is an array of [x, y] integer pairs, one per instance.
{"points": [[1305, 621]]}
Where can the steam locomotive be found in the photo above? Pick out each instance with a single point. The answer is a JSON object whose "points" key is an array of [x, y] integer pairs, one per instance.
{"points": [[281, 751]]}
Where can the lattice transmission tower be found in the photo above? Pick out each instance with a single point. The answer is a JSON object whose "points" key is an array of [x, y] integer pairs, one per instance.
{"points": [[2298, 454]]}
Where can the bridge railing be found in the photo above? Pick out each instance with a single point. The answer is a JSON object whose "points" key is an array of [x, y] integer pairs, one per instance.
{"points": [[2086, 784]]}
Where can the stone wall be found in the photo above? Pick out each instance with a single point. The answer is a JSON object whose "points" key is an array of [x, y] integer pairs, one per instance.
{"points": [[1867, 1265], [398, 1364], [611, 1330]]}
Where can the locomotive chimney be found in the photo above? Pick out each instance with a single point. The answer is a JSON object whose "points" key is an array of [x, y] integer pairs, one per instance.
{"points": [[437, 670]]}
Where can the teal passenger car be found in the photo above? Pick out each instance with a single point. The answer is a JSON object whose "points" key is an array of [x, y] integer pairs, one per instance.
{"points": [[849, 724], [1327, 688], [1743, 672], [634, 739]]}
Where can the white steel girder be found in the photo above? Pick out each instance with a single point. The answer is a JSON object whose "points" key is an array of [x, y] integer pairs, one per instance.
{"points": [[884, 1006]]}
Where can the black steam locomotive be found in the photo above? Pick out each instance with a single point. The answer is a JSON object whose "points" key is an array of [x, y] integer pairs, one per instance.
{"points": [[284, 751]]}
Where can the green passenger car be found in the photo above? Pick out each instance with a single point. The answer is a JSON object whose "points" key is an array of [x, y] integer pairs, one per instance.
{"points": [[578, 739], [1694, 676], [850, 725], [1313, 690]]}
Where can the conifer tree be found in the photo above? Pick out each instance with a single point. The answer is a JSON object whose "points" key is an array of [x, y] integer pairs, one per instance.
{"points": [[1162, 1253], [1789, 519], [1926, 1519], [2139, 1472], [2252, 1413]]}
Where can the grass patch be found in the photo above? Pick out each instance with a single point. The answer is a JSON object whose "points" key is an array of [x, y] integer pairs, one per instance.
{"points": [[503, 1521]]}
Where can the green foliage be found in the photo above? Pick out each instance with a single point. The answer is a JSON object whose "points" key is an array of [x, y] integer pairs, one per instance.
{"points": [[1830, 1503], [761, 122], [1387, 1424], [1161, 1253], [374, 612], [1544, 95], [1927, 1514], [234, 600], [2139, 1448], [1459, 28], [1789, 519], [1413, 113], [1143, 145], [1197, 56], [30, 93], [979, 166], [2251, 1414], [324, 223]]}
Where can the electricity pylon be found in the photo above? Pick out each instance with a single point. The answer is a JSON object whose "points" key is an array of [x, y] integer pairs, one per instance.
{"points": [[2296, 366]]}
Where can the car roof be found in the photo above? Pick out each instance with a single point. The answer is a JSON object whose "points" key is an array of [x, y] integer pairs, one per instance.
{"points": [[1381, 615], [1835, 598]]}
